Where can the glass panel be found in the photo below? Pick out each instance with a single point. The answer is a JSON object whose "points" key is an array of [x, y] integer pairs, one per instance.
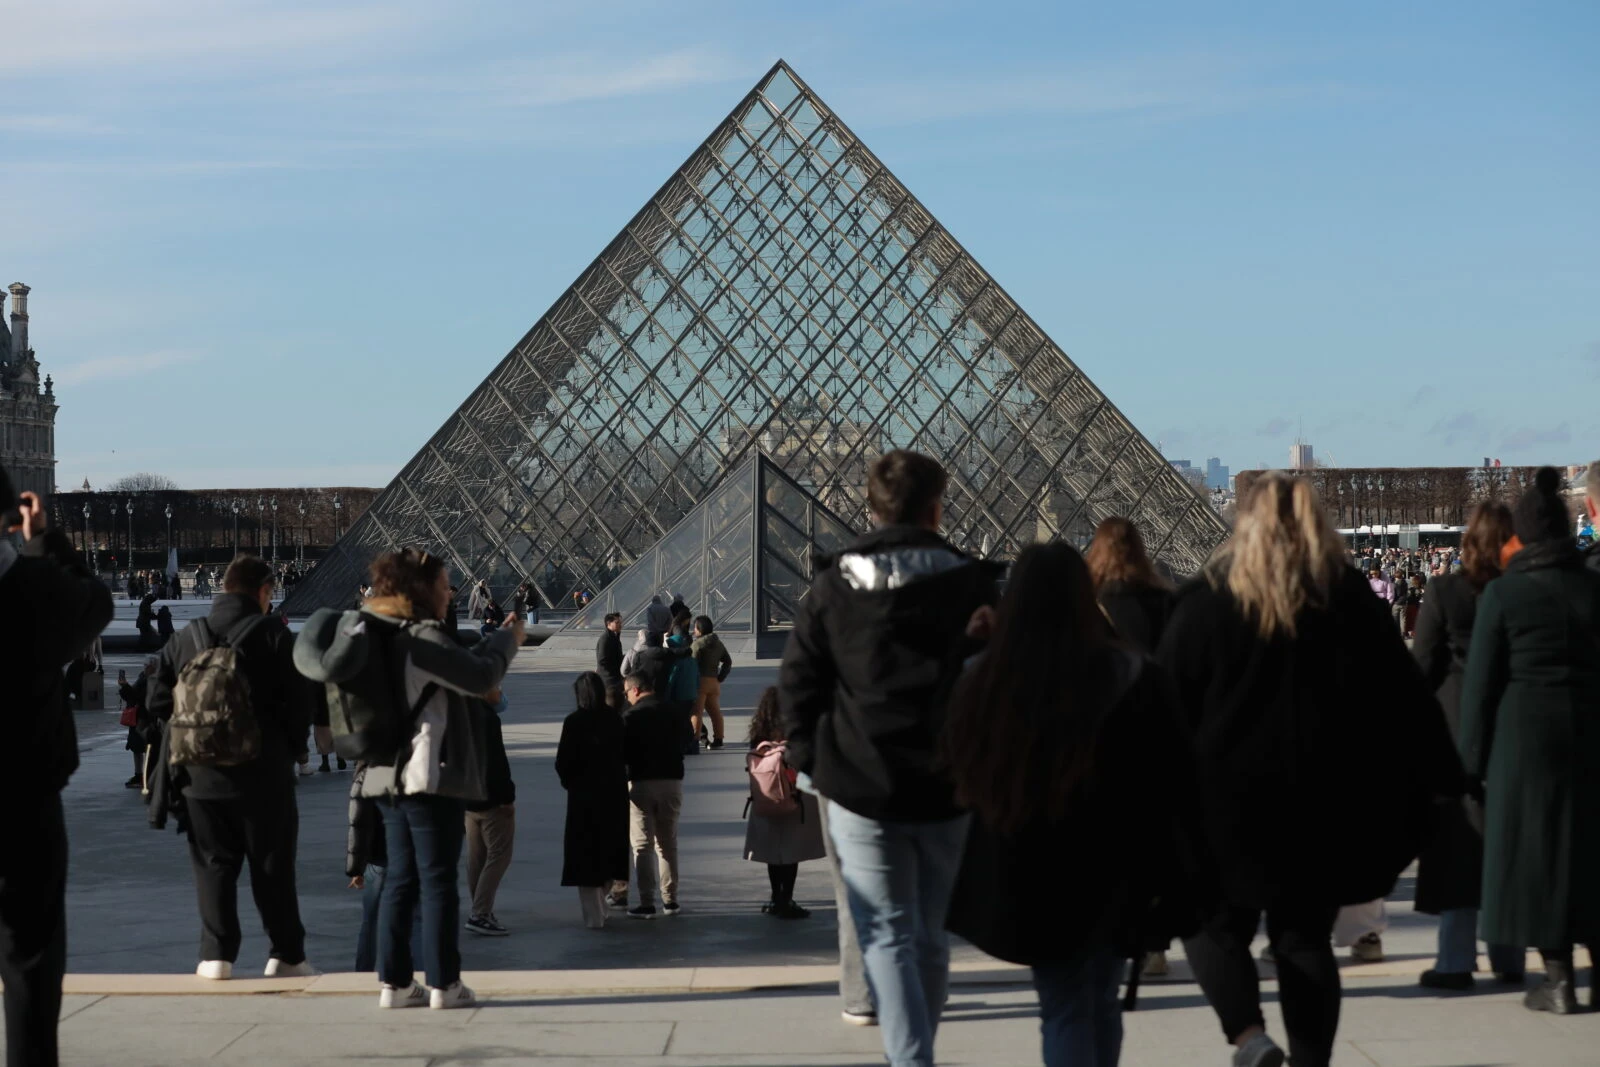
{"points": [[788, 296]]}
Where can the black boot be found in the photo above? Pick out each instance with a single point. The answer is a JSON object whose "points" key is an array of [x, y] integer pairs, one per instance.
{"points": [[1555, 994], [324, 768], [341, 763]]}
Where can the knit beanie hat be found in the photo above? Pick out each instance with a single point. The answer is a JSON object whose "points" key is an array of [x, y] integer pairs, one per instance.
{"points": [[8, 494], [1541, 514]]}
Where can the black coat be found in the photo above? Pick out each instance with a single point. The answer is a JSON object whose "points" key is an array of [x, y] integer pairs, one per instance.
{"points": [[134, 695], [1124, 864], [1530, 731], [1319, 756], [608, 659], [51, 610], [590, 763], [652, 741], [1138, 613], [502, 790], [1450, 869], [869, 665]]}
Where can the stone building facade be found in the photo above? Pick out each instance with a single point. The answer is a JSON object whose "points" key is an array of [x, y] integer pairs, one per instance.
{"points": [[27, 407]]}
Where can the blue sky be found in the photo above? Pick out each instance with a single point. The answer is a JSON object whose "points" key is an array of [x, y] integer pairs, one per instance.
{"points": [[277, 243]]}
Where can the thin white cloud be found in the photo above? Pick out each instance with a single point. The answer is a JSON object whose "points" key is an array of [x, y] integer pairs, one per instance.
{"points": [[118, 368], [78, 35]]}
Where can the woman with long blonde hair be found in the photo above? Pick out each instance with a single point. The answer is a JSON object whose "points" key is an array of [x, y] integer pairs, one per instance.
{"points": [[1320, 749]]}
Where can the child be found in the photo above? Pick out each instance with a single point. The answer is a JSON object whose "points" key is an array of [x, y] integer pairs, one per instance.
{"points": [[782, 842]]}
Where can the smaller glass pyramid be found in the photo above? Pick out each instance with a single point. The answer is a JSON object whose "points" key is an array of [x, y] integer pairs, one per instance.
{"points": [[745, 556]]}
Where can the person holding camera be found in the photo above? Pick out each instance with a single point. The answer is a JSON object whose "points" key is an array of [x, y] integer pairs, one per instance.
{"points": [[51, 611]]}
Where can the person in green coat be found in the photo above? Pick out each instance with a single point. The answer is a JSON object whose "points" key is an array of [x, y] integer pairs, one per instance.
{"points": [[1530, 732]]}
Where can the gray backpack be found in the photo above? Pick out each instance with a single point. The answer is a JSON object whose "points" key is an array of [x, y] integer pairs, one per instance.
{"points": [[361, 663]]}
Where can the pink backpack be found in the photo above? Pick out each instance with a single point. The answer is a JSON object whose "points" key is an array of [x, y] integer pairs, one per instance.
{"points": [[772, 789]]}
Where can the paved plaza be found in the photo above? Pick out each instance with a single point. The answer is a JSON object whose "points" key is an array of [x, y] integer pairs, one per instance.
{"points": [[723, 984]]}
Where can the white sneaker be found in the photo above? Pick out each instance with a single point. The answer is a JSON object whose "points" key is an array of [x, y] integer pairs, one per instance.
{"points": [[216, 970], [1155, 965], [305, 769], [276, 968], [457, 996], [390, 997]]}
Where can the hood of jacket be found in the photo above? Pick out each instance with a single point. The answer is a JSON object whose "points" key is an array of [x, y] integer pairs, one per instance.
{"points": [[1548, 553], [230, 609]]}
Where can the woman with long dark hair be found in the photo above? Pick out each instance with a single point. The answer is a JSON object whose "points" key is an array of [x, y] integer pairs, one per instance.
{"points": [[1133, 594], [1277, 650], [781, 840], [589, 761], [1530, 702], [1045, 739], [1450, 869]]}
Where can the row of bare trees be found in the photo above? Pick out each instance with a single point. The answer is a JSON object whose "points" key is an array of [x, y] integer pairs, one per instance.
{"points": [[1372, 496]]}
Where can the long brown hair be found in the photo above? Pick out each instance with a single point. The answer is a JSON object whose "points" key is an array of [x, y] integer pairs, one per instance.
{"points": [[1117, 554], [1487, 532], [1024, 720], [765, 724], [1285, 556]]}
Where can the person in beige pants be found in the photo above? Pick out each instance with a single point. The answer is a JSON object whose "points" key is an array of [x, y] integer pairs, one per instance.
{"points": [[714, 663], [491, 828], [652, 745]]}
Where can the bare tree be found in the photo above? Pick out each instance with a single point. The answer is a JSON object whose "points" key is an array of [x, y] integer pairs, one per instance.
{"points": [[143, 482]]}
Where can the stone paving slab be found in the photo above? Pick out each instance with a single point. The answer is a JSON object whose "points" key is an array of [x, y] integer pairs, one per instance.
{"points": [[1387, 1022]]}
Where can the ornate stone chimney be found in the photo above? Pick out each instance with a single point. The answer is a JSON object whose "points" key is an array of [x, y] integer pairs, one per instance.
{"points": [[19, 323]]}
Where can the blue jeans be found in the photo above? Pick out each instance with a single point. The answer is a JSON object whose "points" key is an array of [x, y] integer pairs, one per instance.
{"points": [[424, 836], [367, 936], [1078, 1010], [898, 877], [1458, 946]]}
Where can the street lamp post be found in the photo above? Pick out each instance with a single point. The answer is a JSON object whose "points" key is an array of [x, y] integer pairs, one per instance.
{"points": [[1340, 487], [338, 507], [274, 506], [300, 549], [130, 535], [169, 527], [261, 521], [111, 543], [88, 552], [1382, 516], [1371, 485], [237, 504]]}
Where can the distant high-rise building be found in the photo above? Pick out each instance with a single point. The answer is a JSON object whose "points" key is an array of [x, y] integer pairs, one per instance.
{"points": [[1300, 458], [1216, 473]]}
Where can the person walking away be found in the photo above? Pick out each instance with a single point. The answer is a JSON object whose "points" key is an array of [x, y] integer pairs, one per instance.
{"points": [[491, 826], [1135, 598], [876, 645], [653, 750], [452, 624], [782, 828], [1275, 651], [51, 611], [608, 659], [714, 663], [234, 665], [657, 620], [420, 792], [1530, 700], [682, 688], [135, 698], [1415, 591], [1049, 733], [1450, 869], [594, 772], [164, 627]]}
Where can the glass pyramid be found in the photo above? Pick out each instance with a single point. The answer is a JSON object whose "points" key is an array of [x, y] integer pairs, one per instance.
{"points": [[782, 292], [744, 556]]}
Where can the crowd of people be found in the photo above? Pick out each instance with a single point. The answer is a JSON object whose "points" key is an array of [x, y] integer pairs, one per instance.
{"points": [[942, 733]]}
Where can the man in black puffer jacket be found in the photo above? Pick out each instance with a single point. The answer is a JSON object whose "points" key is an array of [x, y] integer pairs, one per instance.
{"points": [[51, 610], [876, 648]]}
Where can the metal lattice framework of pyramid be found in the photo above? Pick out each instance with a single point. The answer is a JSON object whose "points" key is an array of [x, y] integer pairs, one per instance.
{"points": [[782, 292], [745, 556]]}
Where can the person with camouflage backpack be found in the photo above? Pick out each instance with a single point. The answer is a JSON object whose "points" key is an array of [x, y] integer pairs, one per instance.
{"points": [[236, 714]]}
